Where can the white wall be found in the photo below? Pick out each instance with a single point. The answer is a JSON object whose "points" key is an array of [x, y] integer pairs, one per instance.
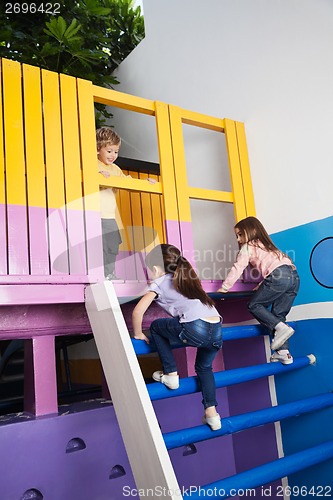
{"points": [[266, 63]]}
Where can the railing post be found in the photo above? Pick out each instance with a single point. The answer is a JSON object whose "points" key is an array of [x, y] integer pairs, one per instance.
{"points": [[40, 384]]}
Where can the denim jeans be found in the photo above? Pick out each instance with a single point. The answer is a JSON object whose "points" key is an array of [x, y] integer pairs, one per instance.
{"points": [[207, 337], [273, 300]]}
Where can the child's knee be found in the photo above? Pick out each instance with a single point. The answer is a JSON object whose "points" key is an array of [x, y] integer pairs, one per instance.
{"points": [[250, 306]]}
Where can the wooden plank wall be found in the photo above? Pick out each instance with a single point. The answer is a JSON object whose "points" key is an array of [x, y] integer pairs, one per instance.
{"points": [[49, 218]]}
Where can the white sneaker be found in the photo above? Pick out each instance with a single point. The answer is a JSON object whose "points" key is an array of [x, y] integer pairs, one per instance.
{"points": [[281, 336], [170, 381], [283, 356], [213, 422]]}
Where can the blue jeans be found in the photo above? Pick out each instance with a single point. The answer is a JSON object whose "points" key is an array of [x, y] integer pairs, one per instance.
{"points": [[207, 337], [273, 300]]}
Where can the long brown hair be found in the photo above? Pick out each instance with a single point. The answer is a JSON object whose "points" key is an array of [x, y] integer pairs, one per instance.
{"points": [[185, 279], [258, 236]]}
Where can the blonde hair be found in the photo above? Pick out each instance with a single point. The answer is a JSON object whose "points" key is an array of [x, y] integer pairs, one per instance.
{"points": [[106, 136]]}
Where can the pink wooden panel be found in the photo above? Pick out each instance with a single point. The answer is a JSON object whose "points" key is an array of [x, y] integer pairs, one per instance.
{"points": [[3, 221], [17, 239], [90, 181], [3, 240], [187, 241], [55, 185], [76, 242], [94, 245], [73, 176], [27, 321], [35, 170], [38, 239], [57, 225], [16, 198], [172, 233], [41, 293], [40, 389]]}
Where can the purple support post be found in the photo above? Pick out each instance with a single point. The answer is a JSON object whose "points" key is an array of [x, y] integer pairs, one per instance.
{"points": [[40, 385], [172, 233]]}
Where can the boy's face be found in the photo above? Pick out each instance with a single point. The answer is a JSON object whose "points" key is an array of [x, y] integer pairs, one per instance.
{"points": [[108, 154]]}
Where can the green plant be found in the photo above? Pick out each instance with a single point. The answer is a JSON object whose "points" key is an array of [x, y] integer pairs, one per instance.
{"points": [[88, 39]]}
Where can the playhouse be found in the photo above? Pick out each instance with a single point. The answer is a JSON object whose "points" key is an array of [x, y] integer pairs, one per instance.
{"points": [[127, 441]]}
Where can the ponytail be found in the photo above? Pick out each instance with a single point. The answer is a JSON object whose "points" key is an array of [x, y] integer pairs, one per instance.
{"points": [[185, 279]]}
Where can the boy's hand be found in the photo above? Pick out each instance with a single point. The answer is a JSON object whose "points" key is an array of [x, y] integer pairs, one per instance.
{"points": [[151, 181], [105, 173], [141, 336]]}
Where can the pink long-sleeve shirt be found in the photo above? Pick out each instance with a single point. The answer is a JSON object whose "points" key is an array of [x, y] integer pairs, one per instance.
{"points": [[261, 259]]}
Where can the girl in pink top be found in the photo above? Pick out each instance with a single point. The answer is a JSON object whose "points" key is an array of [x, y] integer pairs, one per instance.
{"points": [[275, 295]]}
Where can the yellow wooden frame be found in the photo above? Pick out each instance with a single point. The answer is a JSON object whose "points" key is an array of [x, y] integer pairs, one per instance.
{"points": [[173, 185], [160, 111], [241, 195], [57, 166]]}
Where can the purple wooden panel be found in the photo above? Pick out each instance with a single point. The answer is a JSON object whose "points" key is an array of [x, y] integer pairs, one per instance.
{"points": [[172, 233], [41, 294], [3, 240], [122, 264], [18, 256], [135, 267], [214, 458], [129, 266], [44, 278], [76, 241], [250, 396], [57, 227], [38, 240], [27, 321], [33, 455], [94, 245], [186, 235]]}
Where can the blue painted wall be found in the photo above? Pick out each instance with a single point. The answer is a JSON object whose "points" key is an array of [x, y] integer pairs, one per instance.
{"points": [[311, 247], [299, 242]]}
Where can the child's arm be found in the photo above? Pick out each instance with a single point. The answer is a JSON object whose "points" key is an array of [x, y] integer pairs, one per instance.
{"points": [[241, 263], [137, 315], [105, 173], [149, 179]]}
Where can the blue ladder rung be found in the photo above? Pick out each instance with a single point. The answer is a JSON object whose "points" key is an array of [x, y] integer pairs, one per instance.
{"points": [[226, 378], [229, 333], [238, 423], [267, 473]]}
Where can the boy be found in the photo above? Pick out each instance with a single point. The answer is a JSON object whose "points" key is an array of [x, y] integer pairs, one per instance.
{"points": [[108, 145]]}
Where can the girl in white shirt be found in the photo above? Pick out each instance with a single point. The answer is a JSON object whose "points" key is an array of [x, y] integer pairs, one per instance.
{"points": [[194, 321]]}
